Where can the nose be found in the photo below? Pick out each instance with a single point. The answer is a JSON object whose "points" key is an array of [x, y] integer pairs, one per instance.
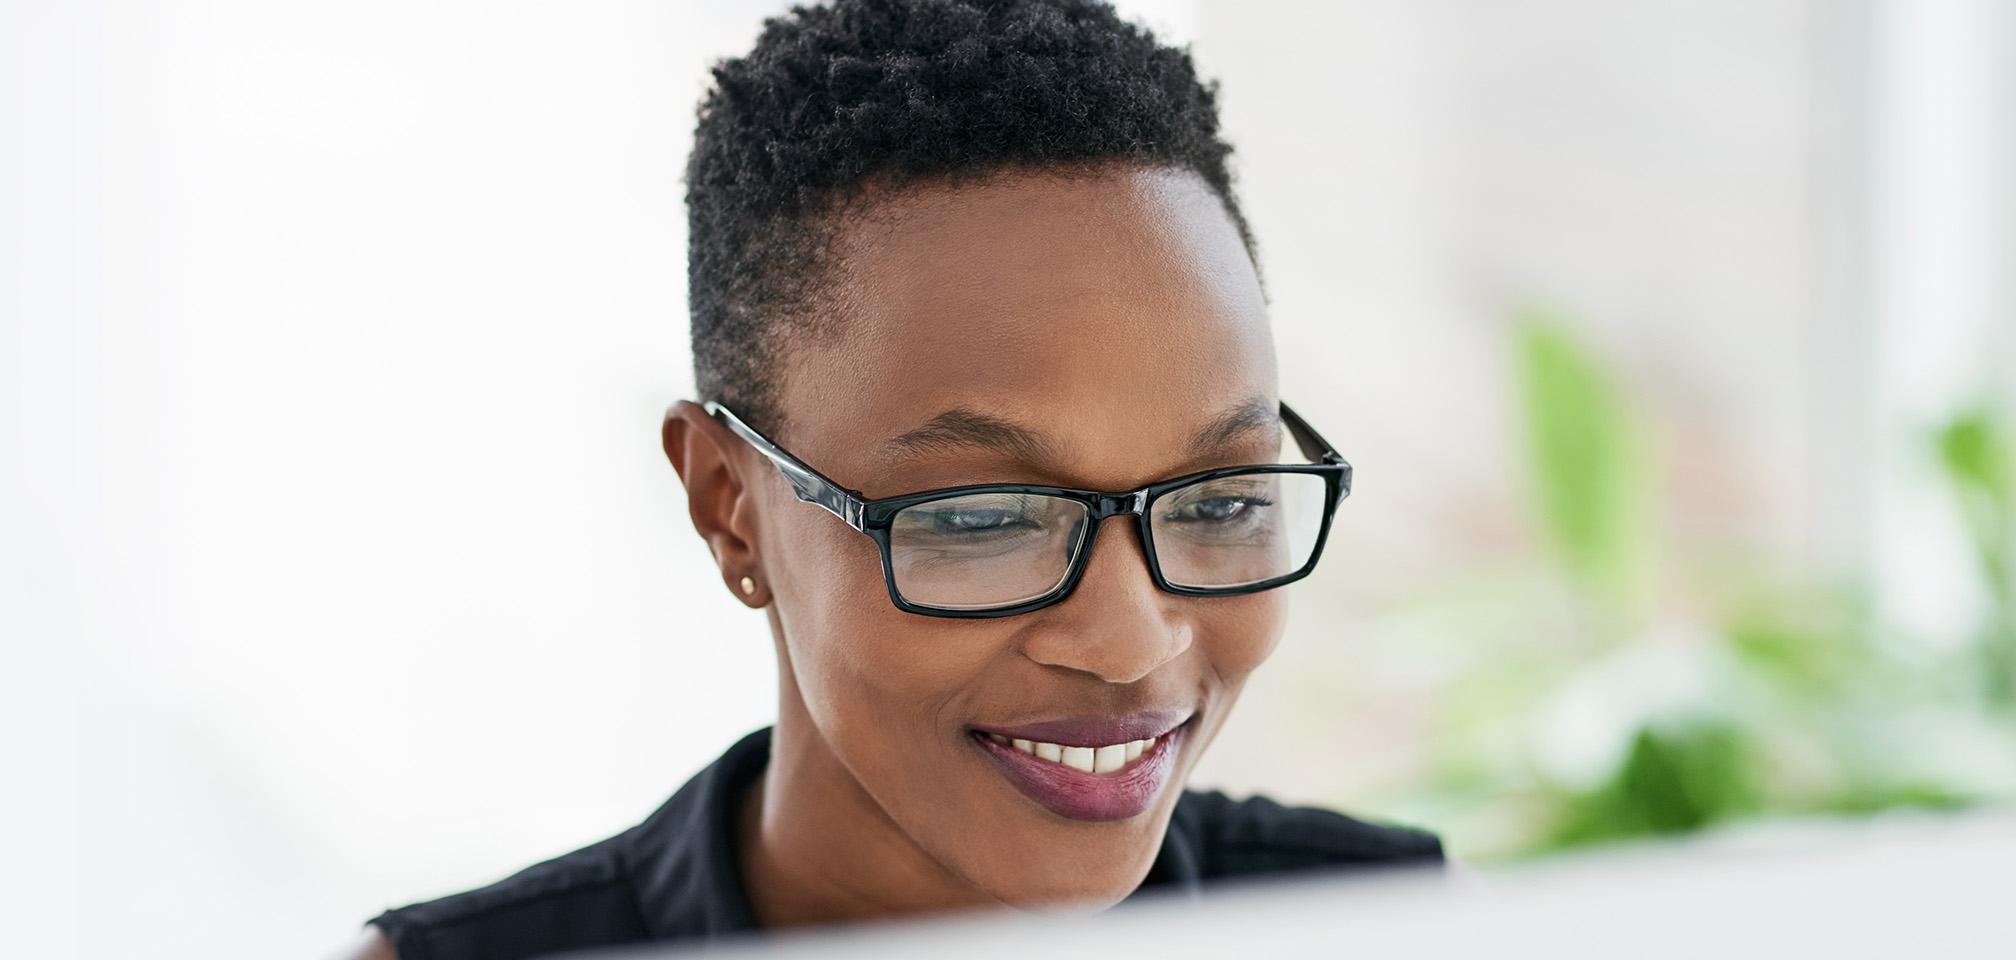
{"points": [[1115, 624]]}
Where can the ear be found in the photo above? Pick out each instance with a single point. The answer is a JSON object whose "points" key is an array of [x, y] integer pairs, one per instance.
{"points": [[721, 504]]}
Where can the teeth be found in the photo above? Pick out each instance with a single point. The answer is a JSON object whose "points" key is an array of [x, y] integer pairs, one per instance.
{"points": [[1078, 758], [1104, 759], [1109, 758]]}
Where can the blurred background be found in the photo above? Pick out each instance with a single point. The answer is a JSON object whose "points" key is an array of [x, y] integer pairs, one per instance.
{"points": [[1674, 344]]}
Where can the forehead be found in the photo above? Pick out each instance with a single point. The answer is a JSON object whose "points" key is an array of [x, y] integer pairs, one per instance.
{"points": [[1116, 312]]}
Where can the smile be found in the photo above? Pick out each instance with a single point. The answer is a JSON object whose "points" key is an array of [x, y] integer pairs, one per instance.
{"points": [[1102, 759], [1092, 768]]}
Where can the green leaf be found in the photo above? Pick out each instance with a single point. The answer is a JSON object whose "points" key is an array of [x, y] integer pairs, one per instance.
{"points": [[1672, 781], [1589, 469], [1976, 455], [1974, 449]]}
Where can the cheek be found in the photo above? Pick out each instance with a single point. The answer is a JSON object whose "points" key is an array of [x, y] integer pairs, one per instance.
{"points": [[827, 582], [863, 668], [1240, 635]]}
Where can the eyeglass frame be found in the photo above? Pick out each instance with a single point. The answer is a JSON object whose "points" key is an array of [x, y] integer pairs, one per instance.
{"points": [[874, 516]]}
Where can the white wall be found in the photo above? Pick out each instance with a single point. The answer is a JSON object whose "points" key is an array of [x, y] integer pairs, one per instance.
{"points": [[339, 343]]}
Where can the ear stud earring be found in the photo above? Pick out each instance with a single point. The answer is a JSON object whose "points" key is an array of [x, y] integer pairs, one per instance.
{"points": [[748, 586]]}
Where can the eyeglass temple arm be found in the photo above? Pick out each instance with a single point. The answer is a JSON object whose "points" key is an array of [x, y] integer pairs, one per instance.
{"points": [[1312, 443], [810, 485]]}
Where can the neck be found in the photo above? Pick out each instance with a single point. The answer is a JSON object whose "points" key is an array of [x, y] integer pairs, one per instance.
{"points": [[817, 848]]}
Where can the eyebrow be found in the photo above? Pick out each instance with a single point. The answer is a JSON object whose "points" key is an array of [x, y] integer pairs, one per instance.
{"points": [[1251, 415], [964, 428]]}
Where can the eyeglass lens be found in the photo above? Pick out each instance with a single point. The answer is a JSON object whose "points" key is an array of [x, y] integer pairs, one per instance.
{"points": [[990, 550]]}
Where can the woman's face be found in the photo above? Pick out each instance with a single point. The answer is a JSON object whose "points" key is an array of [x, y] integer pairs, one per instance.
{"points": [[1086, 333]]}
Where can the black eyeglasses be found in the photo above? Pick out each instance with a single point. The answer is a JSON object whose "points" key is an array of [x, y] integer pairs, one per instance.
{"points": [[999, 549]]}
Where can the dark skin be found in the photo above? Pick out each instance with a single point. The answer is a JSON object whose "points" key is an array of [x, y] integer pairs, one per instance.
{"points": [[1100, 327]]}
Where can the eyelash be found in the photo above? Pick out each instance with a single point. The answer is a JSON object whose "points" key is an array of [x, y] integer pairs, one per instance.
{"points": [[938, 525], [1244, 501]]}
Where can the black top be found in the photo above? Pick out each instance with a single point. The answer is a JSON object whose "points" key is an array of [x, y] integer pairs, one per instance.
{"points": [[676, 877]]}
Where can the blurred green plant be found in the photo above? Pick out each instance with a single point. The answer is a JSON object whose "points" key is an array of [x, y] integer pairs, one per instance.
{"points": [[1589, 469], [1671, 781], [1755, 698], [1974, 449]]}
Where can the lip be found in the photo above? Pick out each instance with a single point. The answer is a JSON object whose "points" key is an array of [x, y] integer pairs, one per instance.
{"points": [[1076, 794]]}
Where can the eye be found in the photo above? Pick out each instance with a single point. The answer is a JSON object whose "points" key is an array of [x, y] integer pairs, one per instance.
{"points": [[1219, 509], [974, 520], [977, 518]]}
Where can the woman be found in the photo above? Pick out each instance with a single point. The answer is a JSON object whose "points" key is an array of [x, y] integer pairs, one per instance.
{"points": [[988, 246]]}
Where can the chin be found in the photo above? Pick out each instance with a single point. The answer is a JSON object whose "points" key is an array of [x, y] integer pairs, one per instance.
{"points": [[1072, 898], [1071, 883]]}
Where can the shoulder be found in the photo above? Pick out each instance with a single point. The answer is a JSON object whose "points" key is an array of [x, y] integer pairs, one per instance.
{"points": [[573, 901], [1260, 835], [672, 876]]}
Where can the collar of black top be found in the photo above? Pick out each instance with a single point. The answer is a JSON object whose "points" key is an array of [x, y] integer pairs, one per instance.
{"points": [[688, 877]]}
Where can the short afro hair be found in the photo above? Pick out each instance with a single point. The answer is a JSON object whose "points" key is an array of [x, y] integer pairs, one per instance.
{"points": [[834, 99]]}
